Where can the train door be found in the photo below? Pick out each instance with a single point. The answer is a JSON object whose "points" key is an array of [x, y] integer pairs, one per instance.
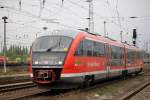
{"points": [[108, 59]]}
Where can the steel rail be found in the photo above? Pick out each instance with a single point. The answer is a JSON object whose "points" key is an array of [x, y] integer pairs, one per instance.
{"points": [[66, 92], [58, 93], [135, 91], [15, 86]]}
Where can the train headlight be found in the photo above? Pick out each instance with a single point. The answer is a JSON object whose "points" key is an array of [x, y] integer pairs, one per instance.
{"points": [[36, 62], [60, 62], [65, 49], [31, 75]]}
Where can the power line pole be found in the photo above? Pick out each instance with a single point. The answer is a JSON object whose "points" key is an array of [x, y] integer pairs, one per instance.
{"points": [[146, 49], [90, 18], [105, 34], [1, 45], [5, 18], [121, 35]]}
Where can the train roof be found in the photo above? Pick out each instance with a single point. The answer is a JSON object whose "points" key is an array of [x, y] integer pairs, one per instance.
{"points": [[74, 33], [112, 41], [105, 39], [69, 33]]}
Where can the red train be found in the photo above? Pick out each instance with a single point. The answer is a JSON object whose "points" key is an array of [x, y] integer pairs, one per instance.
{"points": [[72, 58], [2, 59]]}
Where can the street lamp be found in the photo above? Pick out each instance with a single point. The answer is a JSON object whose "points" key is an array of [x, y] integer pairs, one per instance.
{"points": [[133, 17], [1, 7], [5, 18]]}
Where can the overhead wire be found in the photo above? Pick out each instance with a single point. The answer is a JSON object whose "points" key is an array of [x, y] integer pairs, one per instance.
{"points": [[119, 21], [95, 13], [25, 13], [74, 3], [115, 14]]}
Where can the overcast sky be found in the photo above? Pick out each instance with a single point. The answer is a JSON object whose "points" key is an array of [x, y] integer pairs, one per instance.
{"points": [[25, 22]]}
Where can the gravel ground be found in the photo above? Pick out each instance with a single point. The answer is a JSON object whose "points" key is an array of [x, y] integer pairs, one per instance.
{"points": [[109, 92], [143, 95], [115, 90]]}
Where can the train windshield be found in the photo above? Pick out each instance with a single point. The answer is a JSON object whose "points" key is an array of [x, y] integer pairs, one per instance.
{"points": [[50, 50], [52, 43]]}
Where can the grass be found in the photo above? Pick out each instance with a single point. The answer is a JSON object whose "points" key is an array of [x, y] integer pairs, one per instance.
{"points": [[147, 65], [14, 70]]}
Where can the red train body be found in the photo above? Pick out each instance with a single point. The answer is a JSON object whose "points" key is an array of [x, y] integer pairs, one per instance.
{"points": [[2, 59], [66, 58]]}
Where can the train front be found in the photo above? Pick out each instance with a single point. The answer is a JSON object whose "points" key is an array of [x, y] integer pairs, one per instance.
{"points": [[48, 58]]}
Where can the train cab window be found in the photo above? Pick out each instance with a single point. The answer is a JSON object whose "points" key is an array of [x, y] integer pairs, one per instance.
{"points": [[52, 43], [50, 50]]}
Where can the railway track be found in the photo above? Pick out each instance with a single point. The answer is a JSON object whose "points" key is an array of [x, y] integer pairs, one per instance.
{"points": [[18, 90], [83, 90], [15, 86], [132, 93], [62, 93], [34, 92]]}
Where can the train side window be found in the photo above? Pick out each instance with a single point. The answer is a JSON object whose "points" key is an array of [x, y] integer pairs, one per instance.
{"points": [[79, 50], [122, 56], [141, 54], [98, 49], [138, 55], [88, 48], [115, 55], [94, 49], [129, 56], [114, 52]]}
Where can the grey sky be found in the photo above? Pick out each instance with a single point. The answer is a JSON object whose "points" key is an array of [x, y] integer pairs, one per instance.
{"points": [[25, 22]]}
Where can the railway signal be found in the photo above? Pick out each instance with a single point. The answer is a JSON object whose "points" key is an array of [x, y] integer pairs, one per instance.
{"points": [[134, 37]]}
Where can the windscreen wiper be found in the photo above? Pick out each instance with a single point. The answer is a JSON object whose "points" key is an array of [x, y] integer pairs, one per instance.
{"points": [[54, 46]]}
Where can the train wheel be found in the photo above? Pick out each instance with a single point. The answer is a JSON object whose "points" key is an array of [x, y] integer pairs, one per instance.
{"points": [[124, 74], [93, 79], [89, 80], [138, 72]]}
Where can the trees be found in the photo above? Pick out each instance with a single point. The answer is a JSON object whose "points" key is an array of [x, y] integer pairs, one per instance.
{"points": [[17, 54]]}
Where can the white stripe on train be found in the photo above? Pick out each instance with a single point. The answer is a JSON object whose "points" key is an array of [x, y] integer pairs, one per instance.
{"points": [[95, 72]]}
